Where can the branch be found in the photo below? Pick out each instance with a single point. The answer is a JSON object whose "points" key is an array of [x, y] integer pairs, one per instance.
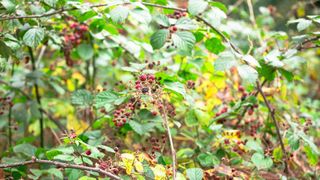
{"points": [[106, 5], [272, 113], [63, 165]]}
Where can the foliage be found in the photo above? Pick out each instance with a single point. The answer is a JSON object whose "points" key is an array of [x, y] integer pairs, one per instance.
{"points": [[159, 89]]}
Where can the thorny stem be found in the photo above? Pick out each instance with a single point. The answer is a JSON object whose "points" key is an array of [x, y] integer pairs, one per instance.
{"points": [[272, 113], [173, 151], [63, 165], [38, 97]]}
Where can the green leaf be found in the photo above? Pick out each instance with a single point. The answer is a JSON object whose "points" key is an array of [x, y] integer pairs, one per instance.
{"points": [[81, 97], [33, 37], [196, 7], [277, 154], [195, 174], [191, 119], [56, 172], [203, 117], [183, 40], [303, 24], [141, 129], [272, 58], [247, 73], [52, 153], [175, 87], [261, 162], [162, 20], [251, 60], [287, 74], [26, 149], [294, 140], [267, 71], [225, 61], [119, 14], [219, 5], [106, 97], [208, 160], [254, 145], [51, 3], [311, 156], [64, 157], [159, 38], [185, 24], [214, 45], [85, 51], [185, 153], [9, 5]]}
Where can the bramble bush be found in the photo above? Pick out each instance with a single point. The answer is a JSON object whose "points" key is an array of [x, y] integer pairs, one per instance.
{"points": [[159, 89]]}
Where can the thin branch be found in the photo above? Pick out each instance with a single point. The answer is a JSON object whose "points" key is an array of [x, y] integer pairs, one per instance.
{"points": [[63, 165], [173, 151], [106, 5], [272, 113], [38, 98]]}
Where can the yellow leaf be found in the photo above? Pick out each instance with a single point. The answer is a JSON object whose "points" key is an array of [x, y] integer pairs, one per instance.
{"points": [[127, 161], [75, 124], [138, 166], [159, 172]]}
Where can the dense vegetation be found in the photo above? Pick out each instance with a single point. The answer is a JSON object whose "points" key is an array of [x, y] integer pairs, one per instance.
{"points": [[159, 89]]}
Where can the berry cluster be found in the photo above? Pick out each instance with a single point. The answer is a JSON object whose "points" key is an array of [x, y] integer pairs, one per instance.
{"points": [[253, 127], [243, 92], [168, 107], [177, 15], [307, 124], [146, 83], [222, 111], [123, 114], [109, 166], [5, 104], [72, 39]]}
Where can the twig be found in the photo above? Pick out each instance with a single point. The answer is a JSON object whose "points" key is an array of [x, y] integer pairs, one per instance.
{"points": [[173, 151], [63, 165], [272, 113], [38, 98]]}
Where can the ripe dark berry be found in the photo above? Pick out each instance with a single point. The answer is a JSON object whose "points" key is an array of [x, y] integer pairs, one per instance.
{"points": [[145, 90], [143, 77], [88, 152]]}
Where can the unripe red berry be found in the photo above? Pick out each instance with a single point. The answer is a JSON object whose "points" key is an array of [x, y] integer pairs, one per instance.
{"points": [[151, 77], [143, 77], [174, 28], [88, 152], [250, 111], [154, 113], [241, 88]]}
